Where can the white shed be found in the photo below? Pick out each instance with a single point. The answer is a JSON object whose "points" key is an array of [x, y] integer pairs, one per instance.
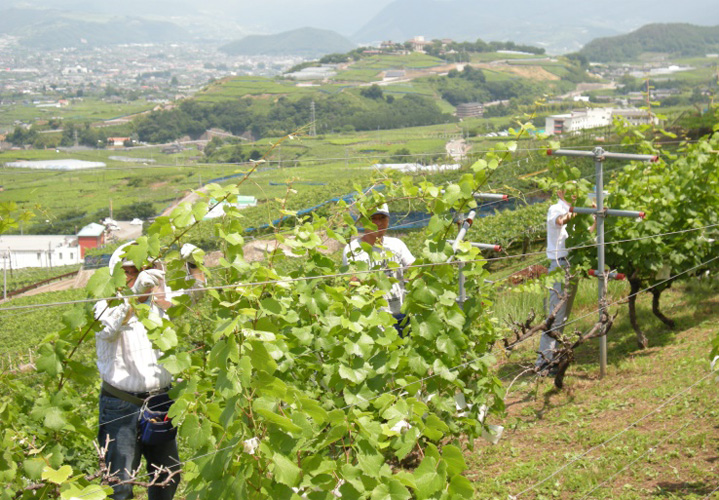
{"points": [[17, 252]]}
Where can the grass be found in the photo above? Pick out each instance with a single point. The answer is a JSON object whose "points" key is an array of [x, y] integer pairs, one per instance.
{"points": [[547, 428], [86, 109]]}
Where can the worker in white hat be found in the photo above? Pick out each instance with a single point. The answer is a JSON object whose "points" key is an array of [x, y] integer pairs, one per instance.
{"points": [[385, 249], [130, 372]]}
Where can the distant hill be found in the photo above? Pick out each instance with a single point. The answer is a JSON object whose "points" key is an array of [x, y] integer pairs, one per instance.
{"points": [[309, 42], [46, 29], [675, 39], [557, 25]]}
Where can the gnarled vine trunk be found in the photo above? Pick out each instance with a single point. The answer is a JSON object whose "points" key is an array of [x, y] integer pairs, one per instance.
{"points": [[636, 285], [656, 295]]}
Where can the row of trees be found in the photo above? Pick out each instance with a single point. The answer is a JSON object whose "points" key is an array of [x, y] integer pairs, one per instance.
{"points": [[332, 112], [72, 133]]}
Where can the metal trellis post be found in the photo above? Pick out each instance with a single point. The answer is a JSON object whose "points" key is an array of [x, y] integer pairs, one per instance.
{"points": [[599, 155], [466, 224]]}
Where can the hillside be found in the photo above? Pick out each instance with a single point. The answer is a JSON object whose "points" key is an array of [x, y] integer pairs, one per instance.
{"points": [[309, 42], [47, 29], [673, 39]]}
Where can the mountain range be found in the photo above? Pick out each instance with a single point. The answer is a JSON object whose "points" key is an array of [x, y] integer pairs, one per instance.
{"points": [[560, 26], [307, 42], [49, 29]]}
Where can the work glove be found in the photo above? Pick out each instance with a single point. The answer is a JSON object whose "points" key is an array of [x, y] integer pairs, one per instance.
{"points": [[186, 253], [147, 280]]}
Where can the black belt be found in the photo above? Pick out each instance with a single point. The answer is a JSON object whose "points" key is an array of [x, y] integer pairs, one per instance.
{"points": [[136, 398]]}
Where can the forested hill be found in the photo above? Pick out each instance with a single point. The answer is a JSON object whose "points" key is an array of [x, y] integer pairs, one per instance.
{"points": [[675, 39], [48, 29], [310, 42]]}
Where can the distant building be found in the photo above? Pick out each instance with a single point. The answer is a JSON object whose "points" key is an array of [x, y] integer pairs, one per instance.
{"points": [[91, 236], [21, 251], [635, 116], [589, 118], [172, 149], [470, 109], [418, 43], [117, 141], [241, 202], [394, 73]]}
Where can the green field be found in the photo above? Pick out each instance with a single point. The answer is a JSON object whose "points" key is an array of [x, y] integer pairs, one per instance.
{"points": [[85, 109]]}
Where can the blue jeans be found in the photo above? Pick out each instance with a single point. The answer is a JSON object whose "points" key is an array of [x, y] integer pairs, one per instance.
{"points": [[118, 420], [547, 344]]}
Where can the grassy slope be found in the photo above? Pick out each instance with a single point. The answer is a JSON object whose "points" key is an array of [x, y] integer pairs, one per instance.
{"points": [[546, 428]]}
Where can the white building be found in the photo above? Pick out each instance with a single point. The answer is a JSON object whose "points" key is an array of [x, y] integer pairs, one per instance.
{"points": [[588, 118], [17, 252]]}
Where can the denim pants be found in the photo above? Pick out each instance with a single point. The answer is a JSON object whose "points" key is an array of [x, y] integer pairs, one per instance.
{"points": [[118, 420], [546, 343]]}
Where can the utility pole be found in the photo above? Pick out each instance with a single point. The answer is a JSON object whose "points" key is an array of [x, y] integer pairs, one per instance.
{"points": [[313, 122], [599, 155], [111, 208]]}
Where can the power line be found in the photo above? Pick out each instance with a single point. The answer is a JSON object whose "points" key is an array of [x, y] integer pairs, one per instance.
{"points": [[355, 273]]}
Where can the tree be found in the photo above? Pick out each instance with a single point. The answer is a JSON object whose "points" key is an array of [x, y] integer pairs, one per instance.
{"points": [[374, 91]]}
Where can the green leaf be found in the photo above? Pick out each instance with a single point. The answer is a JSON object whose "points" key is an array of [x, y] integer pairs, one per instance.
{"points": [[182, 215], [199, 210], [460, 485], [74, 318], [101, 284], [285, 471], [454, 458], [279, 420], [167, 340], [48, 360], [54, 419], [391, 490], [34, 468], [434, 428], [138, 252], [58, 476], [427, 479], [91, 492], [177, 363], [271, 306]]}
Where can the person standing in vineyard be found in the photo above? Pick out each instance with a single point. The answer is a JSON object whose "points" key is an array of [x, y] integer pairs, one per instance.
{"points": [[558, 216], [130, 372], [384, 249]]}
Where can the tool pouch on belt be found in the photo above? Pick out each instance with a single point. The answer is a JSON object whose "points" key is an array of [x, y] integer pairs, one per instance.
{"points": [[153, 424]]}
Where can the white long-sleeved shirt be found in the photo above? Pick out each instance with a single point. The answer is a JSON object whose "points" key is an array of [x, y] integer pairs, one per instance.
{"points": [[388, 250], [125, 356], [557, 235]]}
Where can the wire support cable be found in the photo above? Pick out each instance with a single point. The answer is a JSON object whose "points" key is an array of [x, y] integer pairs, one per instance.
{"points": [[649, 450], [358, 273], [615, 436]]}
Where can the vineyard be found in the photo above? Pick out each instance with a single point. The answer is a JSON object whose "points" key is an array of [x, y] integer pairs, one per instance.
{"points": [[292, 382]]}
